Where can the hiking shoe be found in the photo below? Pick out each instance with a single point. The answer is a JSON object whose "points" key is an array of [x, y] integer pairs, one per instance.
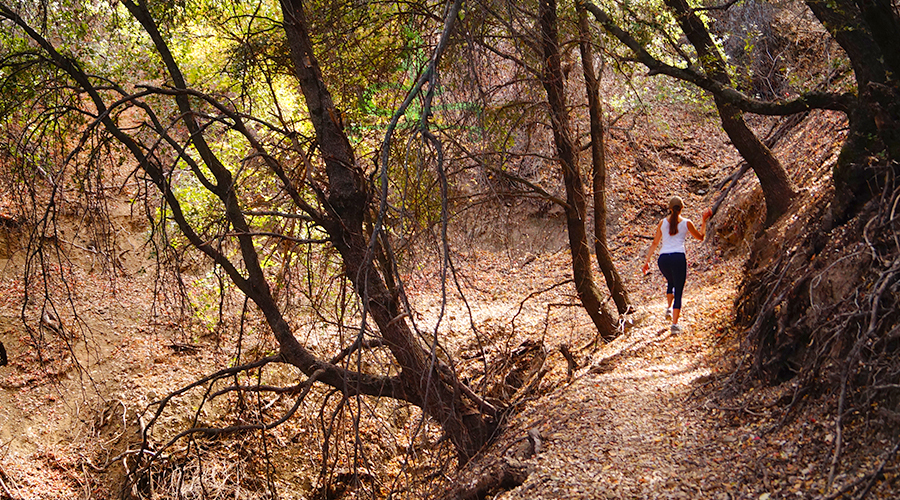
{"points": [[676, 329], [669, 313]]}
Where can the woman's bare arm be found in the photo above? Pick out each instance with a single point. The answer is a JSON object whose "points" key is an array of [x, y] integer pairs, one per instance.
{"points": [[702, 232]]}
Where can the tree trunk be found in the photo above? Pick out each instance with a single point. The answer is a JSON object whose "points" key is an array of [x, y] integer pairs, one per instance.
{"points": [[552, 80], [422, 381], [881, 17], [776, 184], [436, 391], [598, 156], [872, 49]]}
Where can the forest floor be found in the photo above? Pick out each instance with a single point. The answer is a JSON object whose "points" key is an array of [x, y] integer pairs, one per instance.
{"points": [[640, 419], [666, 416], [648, 415]]}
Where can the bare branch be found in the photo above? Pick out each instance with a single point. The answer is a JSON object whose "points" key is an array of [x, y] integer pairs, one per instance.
{"points": [[302, 241], [724, 6], [805, 102], [273, 213]]}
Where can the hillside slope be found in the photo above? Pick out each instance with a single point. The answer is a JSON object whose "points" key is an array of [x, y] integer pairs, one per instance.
{"points": [[656, 415], [649, 415]]}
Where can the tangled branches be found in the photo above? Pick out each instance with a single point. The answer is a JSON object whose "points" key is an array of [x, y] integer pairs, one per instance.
{"points": [[829, 300], [826, 312]]}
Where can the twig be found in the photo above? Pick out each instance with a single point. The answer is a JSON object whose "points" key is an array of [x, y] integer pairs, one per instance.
{"points": [[534, 187], [838, 421], [732, 181], [570, 359], [886, 279], [770, 142], [872, 477], [359, 343], [215, 376], [273, 213], [302, 241], [290, 390], [799, 392], [215, 431], [725, 6], [736, 409], [847, 487], [483, 405], [532, 295], [86, 249], [878, 471], [115, 459], [3, 484]]}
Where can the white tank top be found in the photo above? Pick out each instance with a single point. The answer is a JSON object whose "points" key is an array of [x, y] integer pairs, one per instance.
{"points": [[673, 243]]}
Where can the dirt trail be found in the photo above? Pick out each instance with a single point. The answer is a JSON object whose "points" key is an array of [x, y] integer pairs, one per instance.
{"points": [[624, 428], [630, 423], [637, 421]]}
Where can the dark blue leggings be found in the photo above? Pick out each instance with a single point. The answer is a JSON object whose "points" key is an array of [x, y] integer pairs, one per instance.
{"points": [[674, 268]]}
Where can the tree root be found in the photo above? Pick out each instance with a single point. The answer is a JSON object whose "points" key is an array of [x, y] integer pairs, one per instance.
{"points": [[502, 476], [826, 312]]}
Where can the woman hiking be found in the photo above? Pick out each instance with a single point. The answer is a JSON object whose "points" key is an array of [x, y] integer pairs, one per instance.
{"points": [[671, 232]]}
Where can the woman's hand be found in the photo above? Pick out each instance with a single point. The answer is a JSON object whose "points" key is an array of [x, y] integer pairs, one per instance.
{"points": [[646, 267], [707, 214]]}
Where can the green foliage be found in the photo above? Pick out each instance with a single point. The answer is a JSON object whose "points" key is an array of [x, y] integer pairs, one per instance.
{"points": [[201, 206], [19, 74], [416, 190], [652, 24]]}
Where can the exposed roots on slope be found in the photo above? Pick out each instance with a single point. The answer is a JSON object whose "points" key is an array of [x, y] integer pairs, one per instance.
{"points": [[824, 309]]}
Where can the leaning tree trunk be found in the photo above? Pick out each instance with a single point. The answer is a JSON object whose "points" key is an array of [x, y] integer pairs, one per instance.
{"points": [[869, 33], [436, 391], [777, 187], [592, 86], [552, 79]]}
